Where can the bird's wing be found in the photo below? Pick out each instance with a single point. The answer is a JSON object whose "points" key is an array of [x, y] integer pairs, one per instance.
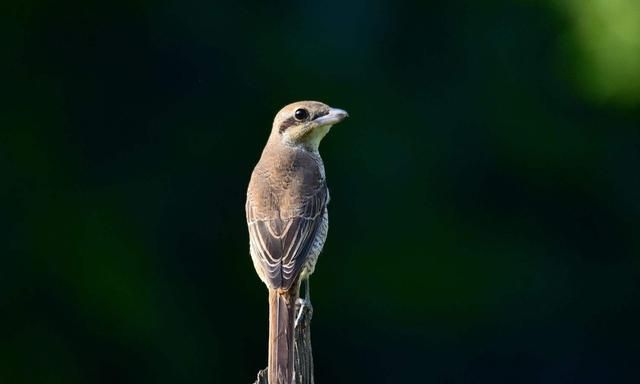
{"points": [[281, 242]]}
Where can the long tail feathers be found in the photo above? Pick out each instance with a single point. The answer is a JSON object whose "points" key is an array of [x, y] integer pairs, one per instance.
{"points": [[282, 307]]}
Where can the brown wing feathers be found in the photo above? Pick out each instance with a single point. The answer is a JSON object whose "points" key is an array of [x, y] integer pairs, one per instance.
{"points": [[282, 244], [283, 222]]}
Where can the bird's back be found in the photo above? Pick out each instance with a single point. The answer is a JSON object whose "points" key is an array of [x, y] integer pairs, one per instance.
{"points": [[286, 210]]}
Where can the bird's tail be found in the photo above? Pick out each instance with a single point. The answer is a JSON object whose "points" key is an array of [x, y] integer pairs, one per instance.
{"points": [[282, 306]]}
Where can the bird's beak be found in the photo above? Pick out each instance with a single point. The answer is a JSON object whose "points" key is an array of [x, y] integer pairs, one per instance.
{"points": [[334, 116]]}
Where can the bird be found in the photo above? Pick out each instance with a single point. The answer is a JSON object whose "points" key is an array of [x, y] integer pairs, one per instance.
{"points": [[287, 219]]}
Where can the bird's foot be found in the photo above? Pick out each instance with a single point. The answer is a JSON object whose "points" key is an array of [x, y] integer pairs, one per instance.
{"points": [[304, 310]]}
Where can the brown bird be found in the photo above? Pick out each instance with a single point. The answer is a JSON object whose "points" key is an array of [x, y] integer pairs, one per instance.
{"points": [[287, 218]]}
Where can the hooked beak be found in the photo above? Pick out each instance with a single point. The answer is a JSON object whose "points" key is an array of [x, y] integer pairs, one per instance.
{"points": [[334, 116]]}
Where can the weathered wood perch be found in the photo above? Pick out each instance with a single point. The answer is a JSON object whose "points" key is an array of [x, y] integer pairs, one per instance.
{"points": [[303, 358]]}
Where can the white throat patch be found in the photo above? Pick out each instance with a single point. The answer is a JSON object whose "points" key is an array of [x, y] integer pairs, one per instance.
{"points": [[316, 135]]}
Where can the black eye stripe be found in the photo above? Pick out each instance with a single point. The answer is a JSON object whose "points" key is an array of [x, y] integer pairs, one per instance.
{"points": [[287, 123], [320, 114], [292, 120]]}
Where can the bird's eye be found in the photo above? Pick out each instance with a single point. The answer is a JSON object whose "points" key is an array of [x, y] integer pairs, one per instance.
{"points": [[301, 114]]}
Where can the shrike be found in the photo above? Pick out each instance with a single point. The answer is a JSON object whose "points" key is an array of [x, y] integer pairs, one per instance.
{"points": [[287, 218]]}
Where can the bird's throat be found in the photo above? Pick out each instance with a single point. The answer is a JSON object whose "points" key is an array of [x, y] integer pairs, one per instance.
{"points": [[313, 138]]}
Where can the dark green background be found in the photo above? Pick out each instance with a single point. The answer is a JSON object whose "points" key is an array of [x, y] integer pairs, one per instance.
{"points": [[485, 191]]}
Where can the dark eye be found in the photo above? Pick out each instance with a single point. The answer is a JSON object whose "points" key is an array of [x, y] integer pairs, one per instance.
{"points": [[301, 114]]}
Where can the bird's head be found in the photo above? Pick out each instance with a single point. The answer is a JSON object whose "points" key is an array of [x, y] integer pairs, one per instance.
{"points": [[305, 123]]}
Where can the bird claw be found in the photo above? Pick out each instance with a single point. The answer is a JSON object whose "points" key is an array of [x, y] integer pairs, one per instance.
{"points": [[304, 309]]}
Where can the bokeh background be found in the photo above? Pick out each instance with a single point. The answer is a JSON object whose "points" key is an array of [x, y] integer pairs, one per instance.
{"points": [[485, 191]]}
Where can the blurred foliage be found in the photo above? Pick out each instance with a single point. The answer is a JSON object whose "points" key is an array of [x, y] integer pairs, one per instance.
{"points": [[484, 213], [607, 40]]}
